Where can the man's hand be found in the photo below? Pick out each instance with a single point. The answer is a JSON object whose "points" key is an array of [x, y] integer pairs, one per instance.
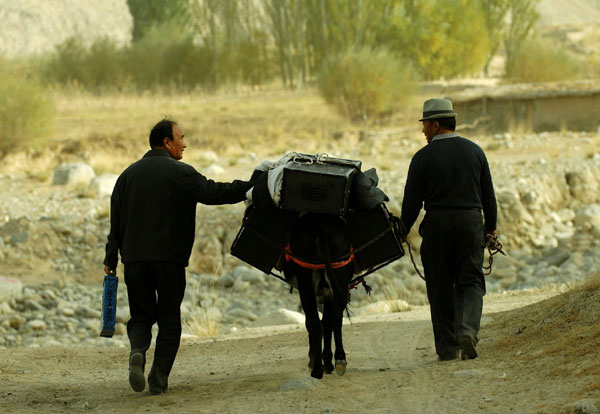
{"points": [[399, 228], [492, 243], [491, 235], [110, 272]]}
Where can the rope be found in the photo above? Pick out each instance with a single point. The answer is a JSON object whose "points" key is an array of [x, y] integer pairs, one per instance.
{"points": [[493, 247], [412, 259], [361, 280]]}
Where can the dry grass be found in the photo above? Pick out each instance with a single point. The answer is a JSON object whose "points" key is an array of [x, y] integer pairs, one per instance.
{"points": [[231, 124], [203, 320], [201, 323], [109, 131]]}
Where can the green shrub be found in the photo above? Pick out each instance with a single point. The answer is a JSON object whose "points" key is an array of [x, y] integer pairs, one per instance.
{"points": [[537, 61], [96, 68], [26, 112], [366, 84], [167, 57], [164, 58]]}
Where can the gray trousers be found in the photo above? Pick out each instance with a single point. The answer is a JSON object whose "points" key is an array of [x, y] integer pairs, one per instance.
{"points": [[452, 257]]}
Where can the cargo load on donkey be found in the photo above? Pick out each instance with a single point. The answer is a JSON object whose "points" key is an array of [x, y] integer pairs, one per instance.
{"points": [[306, 183], [320, 220]]}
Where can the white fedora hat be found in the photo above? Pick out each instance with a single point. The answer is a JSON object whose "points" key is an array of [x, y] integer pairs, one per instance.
{"points": [[437, 108]]}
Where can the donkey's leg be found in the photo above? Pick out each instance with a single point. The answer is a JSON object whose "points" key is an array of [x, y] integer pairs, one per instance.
{"points": [[313, 323], [344, 276], [327, 331], [337, 316]]}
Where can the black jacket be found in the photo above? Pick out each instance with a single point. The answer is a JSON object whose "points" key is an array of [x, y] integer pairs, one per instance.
{"points": [[449, 173], [153, 209]]}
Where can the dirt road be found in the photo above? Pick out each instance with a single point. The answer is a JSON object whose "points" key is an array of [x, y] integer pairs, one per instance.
{"points": [[392, 368]]}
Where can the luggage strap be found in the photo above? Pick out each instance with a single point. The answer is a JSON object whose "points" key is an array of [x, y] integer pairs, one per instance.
{"points": [[348, 256], [317, 266]]}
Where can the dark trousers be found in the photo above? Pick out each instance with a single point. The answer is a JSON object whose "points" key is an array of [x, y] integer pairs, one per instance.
{"points": [[452, 257], [155, 291]]}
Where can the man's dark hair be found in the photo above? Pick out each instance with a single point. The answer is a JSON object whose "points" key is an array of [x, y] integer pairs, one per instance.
{"points": [[163, 129], [447, 123]]}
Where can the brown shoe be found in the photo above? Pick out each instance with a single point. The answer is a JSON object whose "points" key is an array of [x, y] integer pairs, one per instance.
{"points": [[467, 347]]}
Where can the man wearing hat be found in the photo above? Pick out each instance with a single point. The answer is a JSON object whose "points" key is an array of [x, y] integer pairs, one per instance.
{"points": [[451, 178]]}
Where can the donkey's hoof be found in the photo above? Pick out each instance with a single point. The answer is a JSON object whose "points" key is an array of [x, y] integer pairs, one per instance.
{"points": [[328, 367], [340, 366], [317, 373]]}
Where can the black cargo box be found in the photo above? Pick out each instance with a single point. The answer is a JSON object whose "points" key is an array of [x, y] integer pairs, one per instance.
{"points": [[374, 227], [320, 185], [263, 234]]}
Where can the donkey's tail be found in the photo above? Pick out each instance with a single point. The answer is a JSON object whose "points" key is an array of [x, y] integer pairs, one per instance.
{"points": [[338, 290]]}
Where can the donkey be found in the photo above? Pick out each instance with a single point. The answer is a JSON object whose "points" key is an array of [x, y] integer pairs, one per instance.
{"points": [[316, 240]]}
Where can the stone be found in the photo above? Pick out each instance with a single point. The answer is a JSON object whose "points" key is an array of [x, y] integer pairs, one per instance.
{"points": [[503, 262], [209, 156], [102, 185], [583, 185], [88, 312], [120, 329], [36, 325], [239, 286], [280, 317], [237, 312], [228, 280], [385, 306], [16, 321], [585, 406], [213, 170], [300, 384], [10, 288], [588, 217], [249, 275], [34, 305], [19, 238], [73, 174], [122, 314], [466, 373], [556, 257], [207, 254], [5, 308]]}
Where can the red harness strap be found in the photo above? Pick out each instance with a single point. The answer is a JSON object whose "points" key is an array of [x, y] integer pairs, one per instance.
{"points": [[314, 266]]}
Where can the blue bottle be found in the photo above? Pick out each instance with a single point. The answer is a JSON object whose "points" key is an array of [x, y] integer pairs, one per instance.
{"points": [[109, 306]]}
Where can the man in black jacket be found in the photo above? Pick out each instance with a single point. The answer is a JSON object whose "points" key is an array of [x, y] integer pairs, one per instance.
{"points": [[450, 176], [152, 225]]}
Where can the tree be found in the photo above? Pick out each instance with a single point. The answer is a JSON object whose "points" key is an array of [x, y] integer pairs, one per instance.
{"points": [[234, 32], [494, 12], [442, 38], [149, 13], [522, 18]]}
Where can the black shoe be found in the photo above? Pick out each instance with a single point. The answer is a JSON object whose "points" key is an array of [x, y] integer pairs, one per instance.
{"points": [[467, 347], [156, 386], [154, 390], [451, 356], [136, 372]]}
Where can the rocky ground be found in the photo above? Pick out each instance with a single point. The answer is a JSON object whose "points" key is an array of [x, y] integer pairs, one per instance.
{"points": [[52, 233], [52, 236]]}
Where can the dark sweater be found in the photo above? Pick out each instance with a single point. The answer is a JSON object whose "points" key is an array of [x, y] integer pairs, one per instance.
{"points": [[449, 173], [153, 209]]}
